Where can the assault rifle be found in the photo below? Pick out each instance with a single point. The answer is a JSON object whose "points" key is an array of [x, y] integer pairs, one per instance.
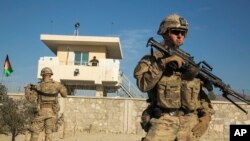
{"points": [[204, 72]]}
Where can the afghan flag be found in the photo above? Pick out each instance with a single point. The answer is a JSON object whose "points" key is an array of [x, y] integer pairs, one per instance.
{"points": [[7, 67]]}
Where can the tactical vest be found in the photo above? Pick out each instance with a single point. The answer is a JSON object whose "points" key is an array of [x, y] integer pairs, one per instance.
{"points": [[173, 92], [48, 92], [168, 91], [190, 94]]}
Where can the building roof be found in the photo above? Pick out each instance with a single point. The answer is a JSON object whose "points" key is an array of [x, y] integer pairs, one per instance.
{"points": [[112, 44]]}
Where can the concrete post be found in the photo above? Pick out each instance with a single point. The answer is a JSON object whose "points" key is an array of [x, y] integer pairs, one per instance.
{"points": [[99, 91]]}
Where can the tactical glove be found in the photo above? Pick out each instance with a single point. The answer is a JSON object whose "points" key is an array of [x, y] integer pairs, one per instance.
{"points": [[173, 59], [190, 73], [202, 126], [145, 118]]}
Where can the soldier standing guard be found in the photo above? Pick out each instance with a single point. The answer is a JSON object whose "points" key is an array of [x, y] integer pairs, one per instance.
{"points": [[45, 96], [179, 109], [94, 61]]}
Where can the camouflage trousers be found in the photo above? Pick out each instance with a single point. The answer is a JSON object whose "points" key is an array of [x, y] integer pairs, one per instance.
{"points": [[45, 120], [172, 128]]}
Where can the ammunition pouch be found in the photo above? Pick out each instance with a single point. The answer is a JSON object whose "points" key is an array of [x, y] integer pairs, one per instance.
{"points": [[168, 91], [190, 91]]}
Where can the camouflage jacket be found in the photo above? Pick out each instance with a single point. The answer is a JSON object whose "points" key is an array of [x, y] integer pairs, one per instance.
{"points": [[151, 77], [49, 90]]}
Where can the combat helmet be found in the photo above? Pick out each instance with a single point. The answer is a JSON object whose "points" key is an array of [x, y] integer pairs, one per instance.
{"points": [[46, 70], [173, 21]]}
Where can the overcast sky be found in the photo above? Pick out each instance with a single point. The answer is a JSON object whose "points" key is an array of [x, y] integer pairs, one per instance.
{"points": [[218, 32]]}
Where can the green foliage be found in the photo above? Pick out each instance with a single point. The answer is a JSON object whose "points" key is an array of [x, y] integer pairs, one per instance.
{"points": [[3, 93], [15, 115], [3, 97]]}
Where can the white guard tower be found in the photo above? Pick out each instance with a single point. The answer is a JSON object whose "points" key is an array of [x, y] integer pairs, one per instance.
{"points": [[72, 65]]}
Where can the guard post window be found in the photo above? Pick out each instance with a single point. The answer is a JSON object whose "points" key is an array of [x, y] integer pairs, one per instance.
{"points": [[81, 58]]}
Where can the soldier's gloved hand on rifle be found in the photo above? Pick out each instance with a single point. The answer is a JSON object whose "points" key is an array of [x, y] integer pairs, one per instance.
{"points": [[173, 59], [202, 126], [190, 73]]}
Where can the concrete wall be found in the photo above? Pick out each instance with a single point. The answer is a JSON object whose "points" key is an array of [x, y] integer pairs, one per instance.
{"points": [[121, 115], [109, 115]]}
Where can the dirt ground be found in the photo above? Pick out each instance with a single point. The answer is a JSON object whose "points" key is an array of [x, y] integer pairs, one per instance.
{"points": [[84, 137]]}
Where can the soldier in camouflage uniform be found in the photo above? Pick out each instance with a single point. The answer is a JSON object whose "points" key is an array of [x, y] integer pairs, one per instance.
{"points": [[45, 96], [179, 109]]}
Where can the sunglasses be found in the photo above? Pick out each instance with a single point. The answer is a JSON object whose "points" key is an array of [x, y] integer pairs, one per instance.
{"points": [[177, 32]]}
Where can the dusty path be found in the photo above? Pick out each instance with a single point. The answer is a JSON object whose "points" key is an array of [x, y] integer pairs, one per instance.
{"points": [[85, 137]]}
